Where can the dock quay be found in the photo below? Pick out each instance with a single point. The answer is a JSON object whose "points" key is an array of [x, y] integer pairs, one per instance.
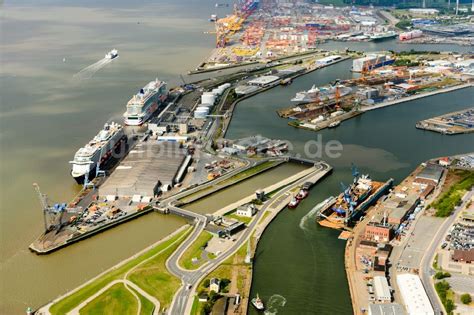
{"points": [[450, 124], [417, 96]]}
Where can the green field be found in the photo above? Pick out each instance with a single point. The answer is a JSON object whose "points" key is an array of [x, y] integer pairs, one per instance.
{"points": [[68, 303], [195, 250], [116, 300], [446, 203]]}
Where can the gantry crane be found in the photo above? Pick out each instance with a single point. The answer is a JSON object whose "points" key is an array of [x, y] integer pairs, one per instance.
{"points": [[51, 215]]}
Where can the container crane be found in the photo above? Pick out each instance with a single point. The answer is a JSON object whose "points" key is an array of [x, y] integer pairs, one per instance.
{"points": [[51, 215]]}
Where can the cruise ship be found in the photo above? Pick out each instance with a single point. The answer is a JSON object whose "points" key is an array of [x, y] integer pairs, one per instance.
{"points": [[97, 152], [316, 94], [143, 104]]}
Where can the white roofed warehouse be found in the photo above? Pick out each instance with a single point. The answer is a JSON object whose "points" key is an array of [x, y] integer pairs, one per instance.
{"points": [[414, 295]]}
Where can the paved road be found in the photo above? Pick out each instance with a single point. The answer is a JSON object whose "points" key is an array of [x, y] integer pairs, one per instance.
{"points": [[426, 271], [183, 298]]}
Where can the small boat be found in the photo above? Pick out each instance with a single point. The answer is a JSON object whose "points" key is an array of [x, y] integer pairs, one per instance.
{"points": [[112, 54], [303, 193], [258, 303], [294, 203], [213, 18], [286, 81], [334, 124]]}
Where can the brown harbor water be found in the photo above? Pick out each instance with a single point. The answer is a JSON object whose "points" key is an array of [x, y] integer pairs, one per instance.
{"points": [[46, 114]]}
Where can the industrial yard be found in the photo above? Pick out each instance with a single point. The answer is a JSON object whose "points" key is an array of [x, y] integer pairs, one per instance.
{"points": [[282, 29], [384, 80]]}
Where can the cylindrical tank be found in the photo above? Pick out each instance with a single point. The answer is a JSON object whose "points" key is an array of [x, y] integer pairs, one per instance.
{"points": [[208, 99]]}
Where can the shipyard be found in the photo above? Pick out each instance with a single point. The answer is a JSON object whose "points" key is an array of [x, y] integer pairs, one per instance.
{"points": [[222, 153]]}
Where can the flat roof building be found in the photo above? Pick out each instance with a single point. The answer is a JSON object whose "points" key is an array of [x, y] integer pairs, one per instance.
{"points": [[148, 169], [264, 81], [386, 309], [430, 174], [382, 290], [399, 206], [414, 296]]}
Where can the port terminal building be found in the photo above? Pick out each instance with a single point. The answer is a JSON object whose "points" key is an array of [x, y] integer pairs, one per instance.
{"points": [[150, 168]]}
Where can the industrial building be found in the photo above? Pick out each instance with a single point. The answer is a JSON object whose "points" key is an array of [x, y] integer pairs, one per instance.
{"points": [[386, 309], [382, 289], [369, 62], [399, 206], [413, 294], [430, 175], [150, 168], [264, 81]]}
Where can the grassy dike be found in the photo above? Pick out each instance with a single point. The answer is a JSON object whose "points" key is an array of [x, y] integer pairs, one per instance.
{"points": [[151, 277]]}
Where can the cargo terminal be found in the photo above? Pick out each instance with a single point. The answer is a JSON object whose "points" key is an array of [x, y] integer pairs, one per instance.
{"points": [[151, 168]]}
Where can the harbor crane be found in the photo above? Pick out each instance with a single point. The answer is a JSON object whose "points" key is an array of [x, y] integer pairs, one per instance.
{"points": [[51, 215]]}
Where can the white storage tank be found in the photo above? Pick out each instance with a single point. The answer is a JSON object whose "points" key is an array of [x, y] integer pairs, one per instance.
{"points": [[208, 99], [217, 91]]}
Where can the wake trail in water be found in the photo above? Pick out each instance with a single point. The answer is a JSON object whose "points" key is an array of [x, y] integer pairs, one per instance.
{"points": [[275, 302], [89, 71]]}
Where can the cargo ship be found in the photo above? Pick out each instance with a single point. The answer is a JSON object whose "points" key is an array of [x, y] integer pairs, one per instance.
{"points": [[88, 159], [112, 54], [143, 104], [347, 209], [378, 37], [316, 94]]}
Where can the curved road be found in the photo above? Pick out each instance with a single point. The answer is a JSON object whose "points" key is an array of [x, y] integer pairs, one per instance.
{"points": [[190, 278], [426, 271]]}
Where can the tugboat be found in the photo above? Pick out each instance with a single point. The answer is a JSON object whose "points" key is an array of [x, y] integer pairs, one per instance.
{"points": [[303, 193], [294, 203], [258, 303]]}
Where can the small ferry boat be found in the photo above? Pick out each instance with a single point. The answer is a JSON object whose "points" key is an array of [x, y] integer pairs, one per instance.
{"points": [[294, 203], [258, 303], [303, 193]]}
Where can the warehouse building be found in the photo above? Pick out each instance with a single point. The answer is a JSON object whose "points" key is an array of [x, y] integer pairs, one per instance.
{"points": [[386, 309], [264, 81], [382, 290], [413, 294], [150, 168]]}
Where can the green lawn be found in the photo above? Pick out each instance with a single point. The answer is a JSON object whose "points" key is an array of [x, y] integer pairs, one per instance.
{"points": [[71, 301], [446, 203], [154, 278], [195, 250], [232, 215], [116, 300], [147, 305]]}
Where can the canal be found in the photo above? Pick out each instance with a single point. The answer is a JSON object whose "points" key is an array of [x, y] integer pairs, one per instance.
{"points": [[244, 188]]}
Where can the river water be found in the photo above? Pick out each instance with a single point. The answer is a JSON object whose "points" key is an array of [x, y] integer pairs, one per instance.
{"points": [[46, 114]]}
